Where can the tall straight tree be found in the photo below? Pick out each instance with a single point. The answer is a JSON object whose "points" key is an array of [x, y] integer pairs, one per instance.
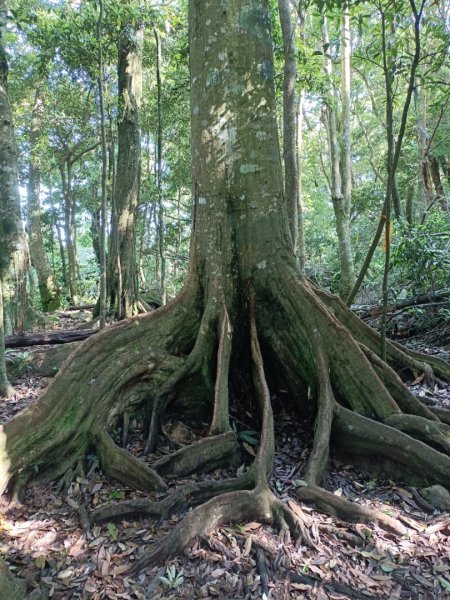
{"points": [[244, 315], [339, 148], [9, 191], [47, 287], [122, 270], [104, 175], [291, 175], [158, 170]]}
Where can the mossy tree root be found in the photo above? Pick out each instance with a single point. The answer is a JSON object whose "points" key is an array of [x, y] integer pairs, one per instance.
{"points": [[259, 503], [324, 419], [221, 418], [406, 400], [122, 466], [346, 510], [397, 356], [197, 361], [47, 439], [207, 454], [358, 400], [359, 379], [183, 498], [361, 435]]}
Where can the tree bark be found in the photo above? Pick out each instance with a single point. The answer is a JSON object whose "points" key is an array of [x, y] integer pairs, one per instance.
{"points": [[291, 185], [104, 176], [341, 201], [65, 169], [9, 191], [158, 168], [47, 289], [122, 271]]}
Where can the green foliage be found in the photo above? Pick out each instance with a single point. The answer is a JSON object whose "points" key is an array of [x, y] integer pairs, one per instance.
{"points": [[173, 578], [117, 495], [112, 531], [250, 436], [421, 254]]}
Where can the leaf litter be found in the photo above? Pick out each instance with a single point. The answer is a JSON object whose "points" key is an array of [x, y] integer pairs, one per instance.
{"points": [[46, 542]]}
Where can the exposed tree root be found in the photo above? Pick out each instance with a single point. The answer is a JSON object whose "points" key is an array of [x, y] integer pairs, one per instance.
{"points": [[361, 435], [207, 454], [325, 410], [443, 414], [184, 497], [221, 419], [231, 507], [329, 362], [397, 356], [348, 511], [259, 503], [196, 362], [436, 434], [46, 440], [119, 464], [403, 397]]}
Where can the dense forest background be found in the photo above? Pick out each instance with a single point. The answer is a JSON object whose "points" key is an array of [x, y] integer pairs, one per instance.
{"points": [[54, 82]]}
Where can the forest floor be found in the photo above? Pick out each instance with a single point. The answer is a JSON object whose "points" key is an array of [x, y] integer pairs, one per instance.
{"points": [[44, 541]]}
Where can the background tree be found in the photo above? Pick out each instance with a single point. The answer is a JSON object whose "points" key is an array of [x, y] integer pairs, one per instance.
{"points": [[122, 250], [339, 146], [47, 288], [291, 175], [9, 192]]}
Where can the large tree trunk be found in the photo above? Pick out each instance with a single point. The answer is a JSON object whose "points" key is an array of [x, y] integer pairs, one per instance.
{"points": [[47, 288], [244, 308], [9, 191], [122, 279]]}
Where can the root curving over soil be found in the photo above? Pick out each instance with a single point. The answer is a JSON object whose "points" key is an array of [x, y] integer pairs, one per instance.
{"points": [[181, 359]]}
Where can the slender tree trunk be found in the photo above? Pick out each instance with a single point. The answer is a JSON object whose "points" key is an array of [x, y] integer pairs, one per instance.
{"points": [[62, 252], [291, 185], [95, 230], [341, 202], [348, 274], [158, 166], [389, 79], [100, 83], [301, 202], [122, 268], [157, 246], [47, 288], [178, 239], [409, 209], [437, 181], [65, 170]]}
